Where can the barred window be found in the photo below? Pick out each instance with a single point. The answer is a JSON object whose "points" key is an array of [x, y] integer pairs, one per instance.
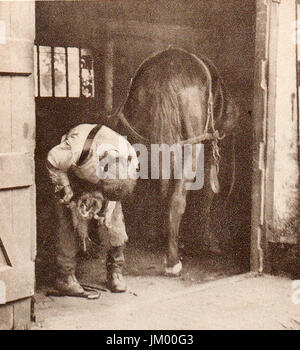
{"points": [[63, 72]]}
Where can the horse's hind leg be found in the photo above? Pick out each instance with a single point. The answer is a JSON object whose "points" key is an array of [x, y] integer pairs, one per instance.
{"points": [[177, 206]]}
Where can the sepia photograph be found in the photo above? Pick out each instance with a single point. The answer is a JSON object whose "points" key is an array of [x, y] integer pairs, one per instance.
{"points": [[149, 167]]}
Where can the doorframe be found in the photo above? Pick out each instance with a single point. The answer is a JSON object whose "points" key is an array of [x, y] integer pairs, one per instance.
{"points": [[263, 117], [259, 109], [264, 131]]}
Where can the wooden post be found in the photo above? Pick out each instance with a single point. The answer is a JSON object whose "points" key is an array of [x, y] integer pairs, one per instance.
{"points": [[259, 115], [270, 129], [108, 74]]}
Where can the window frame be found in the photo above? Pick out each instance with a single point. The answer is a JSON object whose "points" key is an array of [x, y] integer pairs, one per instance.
{"points": [[37, 75]]}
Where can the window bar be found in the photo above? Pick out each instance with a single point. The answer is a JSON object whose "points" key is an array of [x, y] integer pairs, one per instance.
{"points": [[67, 72], [38, 69], [80, 77], [52, 71]]}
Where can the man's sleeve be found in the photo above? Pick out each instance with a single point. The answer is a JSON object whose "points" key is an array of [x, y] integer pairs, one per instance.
{"points": [[58, 163]]}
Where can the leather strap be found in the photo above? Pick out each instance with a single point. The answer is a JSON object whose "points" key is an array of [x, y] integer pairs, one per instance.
{"points": [[87, 145]]}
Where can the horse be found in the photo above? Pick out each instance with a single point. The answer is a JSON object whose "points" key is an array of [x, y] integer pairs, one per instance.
{"points": [[176, 97]]}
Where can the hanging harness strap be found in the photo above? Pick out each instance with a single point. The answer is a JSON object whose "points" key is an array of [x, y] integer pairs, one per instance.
{"points": [[211, 130]]}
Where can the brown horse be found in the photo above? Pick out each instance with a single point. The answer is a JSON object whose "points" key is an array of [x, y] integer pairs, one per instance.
{"points": [[176, 97]]}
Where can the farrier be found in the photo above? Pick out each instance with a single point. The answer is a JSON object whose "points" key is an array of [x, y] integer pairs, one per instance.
{"points": [[76, 166]]}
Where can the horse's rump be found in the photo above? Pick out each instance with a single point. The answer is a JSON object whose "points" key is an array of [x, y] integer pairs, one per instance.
{"points": [[168, 97]]}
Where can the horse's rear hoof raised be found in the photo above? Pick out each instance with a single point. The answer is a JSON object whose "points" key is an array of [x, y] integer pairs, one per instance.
{"points": [[174, 270]]}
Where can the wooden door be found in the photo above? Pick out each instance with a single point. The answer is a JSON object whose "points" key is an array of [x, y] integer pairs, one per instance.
{"points": [[282, 168], [17, 141], [275, 191]]}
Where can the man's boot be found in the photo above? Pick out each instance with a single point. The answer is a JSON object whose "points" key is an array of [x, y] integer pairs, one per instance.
{"points": [[69, 286], [114, 264]]}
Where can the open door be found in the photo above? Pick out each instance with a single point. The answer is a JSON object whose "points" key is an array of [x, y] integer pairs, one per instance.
{"points": [[276, 168], [17, 140]]}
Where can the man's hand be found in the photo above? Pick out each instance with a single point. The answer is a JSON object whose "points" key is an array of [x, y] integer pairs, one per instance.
{"points": [[67, 196]]}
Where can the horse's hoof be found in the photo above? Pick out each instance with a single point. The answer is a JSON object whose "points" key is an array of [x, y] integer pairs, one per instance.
{"points": [[174, 270]]}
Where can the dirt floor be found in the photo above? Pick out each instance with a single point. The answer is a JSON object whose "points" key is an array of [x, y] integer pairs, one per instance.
{"points": [[203, 297], [239, 302]]}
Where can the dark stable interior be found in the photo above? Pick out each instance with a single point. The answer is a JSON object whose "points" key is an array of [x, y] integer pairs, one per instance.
{"points": [[226, 36]]}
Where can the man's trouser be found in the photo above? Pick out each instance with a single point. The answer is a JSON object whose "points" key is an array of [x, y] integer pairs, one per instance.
{"points": [[68, 242]]}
